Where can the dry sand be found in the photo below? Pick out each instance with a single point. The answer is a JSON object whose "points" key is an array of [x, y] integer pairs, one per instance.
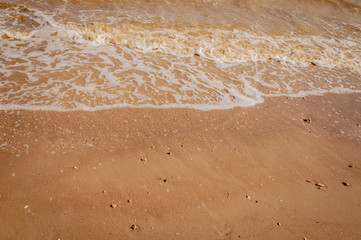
{"points": [[184, 174]]}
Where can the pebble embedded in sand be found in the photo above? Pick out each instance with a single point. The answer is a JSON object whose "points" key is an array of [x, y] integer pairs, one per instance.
{"points": [[248, 197], [143, 159], [320, 185], [130, 201], [103, 191], [165, 180], [350, 166], [308, 181], [75, 167], [279, 224], [113, 205], [307, 120], [257, 201], [169, 153], [345, 184], [134, 227]]}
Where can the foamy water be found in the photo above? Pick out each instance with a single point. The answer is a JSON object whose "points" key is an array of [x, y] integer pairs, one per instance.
{"points": [[67, 55]]}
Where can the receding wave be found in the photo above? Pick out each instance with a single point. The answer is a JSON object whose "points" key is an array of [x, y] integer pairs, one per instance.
{"points": [[55, 57]]}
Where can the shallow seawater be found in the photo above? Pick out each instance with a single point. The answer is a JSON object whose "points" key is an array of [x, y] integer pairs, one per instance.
{"points": [[210, 54]]}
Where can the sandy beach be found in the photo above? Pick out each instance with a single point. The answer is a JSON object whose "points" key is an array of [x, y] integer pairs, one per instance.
{"points": [[288, 168]]}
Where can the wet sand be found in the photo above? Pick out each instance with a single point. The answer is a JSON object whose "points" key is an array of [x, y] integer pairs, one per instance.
{"points": [[272, 171]]}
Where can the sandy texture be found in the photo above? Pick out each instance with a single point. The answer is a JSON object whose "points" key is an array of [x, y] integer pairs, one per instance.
{"points": [[184, 174]]}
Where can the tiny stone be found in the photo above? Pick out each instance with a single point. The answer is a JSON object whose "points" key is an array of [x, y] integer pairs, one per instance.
{"points": [[169, 153], [350, 166], [103, 191], [320, 185], [165, 180], [130, 201], [152, 146], [307, 120], [134, 227], [257, 201], [248, 197], [75, 167], [143, 159], [345, 184], [308, 181], [113, 205], [279, 224]]}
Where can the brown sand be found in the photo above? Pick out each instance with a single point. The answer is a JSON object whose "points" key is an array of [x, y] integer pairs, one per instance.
{"points": [[184, 174]]}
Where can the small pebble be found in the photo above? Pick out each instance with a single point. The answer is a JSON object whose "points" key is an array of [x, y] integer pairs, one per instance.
{"points": [[306, 120], [134, 227], [257, 201], [103, 191], [75, 167], [130, 201], [165, 180], [308, 181], [345, 184], [169, 153], [248, 197], [279, 224], [143, 159], [113, 205], [350, 166], [320, 185]]}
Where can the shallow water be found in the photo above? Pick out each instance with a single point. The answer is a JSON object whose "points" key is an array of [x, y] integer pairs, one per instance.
{"points": [[66, 55]]}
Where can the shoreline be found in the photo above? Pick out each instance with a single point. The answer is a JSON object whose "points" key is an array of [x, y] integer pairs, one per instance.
{"points": [[202, 108], [184, 173]]}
